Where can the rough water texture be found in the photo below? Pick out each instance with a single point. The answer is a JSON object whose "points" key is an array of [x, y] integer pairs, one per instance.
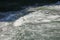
{"points": [[32, 24]]}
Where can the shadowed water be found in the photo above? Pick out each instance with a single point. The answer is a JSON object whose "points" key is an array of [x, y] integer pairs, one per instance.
{"points": [[32, 23]]}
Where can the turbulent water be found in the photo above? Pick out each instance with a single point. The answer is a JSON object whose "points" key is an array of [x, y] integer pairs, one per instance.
{"points": [[32, 23]]}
